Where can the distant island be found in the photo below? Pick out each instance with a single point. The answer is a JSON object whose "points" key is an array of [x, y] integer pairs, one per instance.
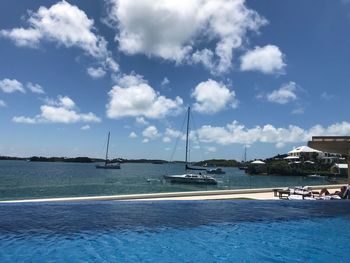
{"points": [[276, 165], [208, 163], [80, 159]]}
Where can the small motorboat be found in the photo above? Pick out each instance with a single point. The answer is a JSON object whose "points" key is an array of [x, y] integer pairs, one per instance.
{"points": [[215, 171]]}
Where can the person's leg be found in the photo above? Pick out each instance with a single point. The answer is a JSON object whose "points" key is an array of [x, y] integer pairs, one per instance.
{"points": [[324, 191]]}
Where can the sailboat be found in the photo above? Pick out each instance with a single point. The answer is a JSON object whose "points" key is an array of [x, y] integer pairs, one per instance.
{"points": [[244, 165], [190, 178], [107, 165]]}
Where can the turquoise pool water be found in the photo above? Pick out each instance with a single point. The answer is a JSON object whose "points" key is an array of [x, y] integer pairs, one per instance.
{"points": [[170, 231]]}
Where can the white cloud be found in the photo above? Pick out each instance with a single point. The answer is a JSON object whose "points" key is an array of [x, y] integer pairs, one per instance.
{"points": [[85, 127], [268, 59], [141, 121], [145, 140], [133, 97], [35, 88], [283, 95], [151, 132], [22, 119], [96, 73], [60, 111], [326, 96], [165, 81], [11, 85], [238, 133], [166, 139], [171, 29], [2, 103], [299, 110], [132, 135], [212, 97], [170, 134], [66, 25], [211, 149]]}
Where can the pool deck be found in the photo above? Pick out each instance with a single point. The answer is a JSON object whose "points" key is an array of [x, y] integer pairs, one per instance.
{"points": [[255, 194]]}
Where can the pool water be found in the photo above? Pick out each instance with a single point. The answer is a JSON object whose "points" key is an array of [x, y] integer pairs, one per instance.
{"points": [[176, 231]]}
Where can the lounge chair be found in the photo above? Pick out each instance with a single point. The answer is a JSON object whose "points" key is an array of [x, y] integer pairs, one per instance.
{"points": [[299, 191]]}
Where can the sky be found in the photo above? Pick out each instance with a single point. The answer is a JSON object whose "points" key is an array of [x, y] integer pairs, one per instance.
{"points": [[266, 75]]}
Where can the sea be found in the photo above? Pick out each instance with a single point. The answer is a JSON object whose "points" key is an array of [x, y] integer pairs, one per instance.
{"points": [[27, 180]]}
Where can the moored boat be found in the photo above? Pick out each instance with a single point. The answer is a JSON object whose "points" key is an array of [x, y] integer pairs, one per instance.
{"points": [[190, 178]]}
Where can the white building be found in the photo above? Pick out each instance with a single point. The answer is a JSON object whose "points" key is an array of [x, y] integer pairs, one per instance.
{"points": [[340, 169]]}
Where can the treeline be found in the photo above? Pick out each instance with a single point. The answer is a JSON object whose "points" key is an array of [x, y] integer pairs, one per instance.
{"points": [[64, 159], [281, 167], [12, 158], [154, 161], [218, 162]]}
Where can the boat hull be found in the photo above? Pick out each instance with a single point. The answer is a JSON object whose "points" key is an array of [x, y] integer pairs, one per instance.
{"points": [[215, 171], [191, 179], [116, 166]]}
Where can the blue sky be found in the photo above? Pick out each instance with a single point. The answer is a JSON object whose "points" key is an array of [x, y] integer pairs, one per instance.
{"points": [[266, 74]]}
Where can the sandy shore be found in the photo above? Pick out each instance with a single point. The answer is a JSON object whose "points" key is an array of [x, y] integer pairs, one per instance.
{"points": [[256, 194]]}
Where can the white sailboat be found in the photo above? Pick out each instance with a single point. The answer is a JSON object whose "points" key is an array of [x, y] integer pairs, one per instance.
{"points": [[107, 165], [190, 178]]}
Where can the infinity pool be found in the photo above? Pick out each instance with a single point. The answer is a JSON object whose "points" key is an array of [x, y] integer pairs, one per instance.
{"points": [[176, 231]]}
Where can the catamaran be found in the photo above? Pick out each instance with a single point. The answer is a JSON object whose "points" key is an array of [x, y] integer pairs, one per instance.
{"points": [[190, 178], [108, 165]]}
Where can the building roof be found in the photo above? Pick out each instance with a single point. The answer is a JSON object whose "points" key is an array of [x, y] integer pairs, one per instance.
{"points": [[258, 162], [291, 157], [304, 149], [341, 165]]}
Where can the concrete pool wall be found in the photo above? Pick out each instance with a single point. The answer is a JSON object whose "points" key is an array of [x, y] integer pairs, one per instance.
{"points": [[257, 193]]}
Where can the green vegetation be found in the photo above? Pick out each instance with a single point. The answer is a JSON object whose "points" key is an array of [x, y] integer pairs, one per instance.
{"points": [[218, 162], [12, 158], [64, 159], [282, 167]]}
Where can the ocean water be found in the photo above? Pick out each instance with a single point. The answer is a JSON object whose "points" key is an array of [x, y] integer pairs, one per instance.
{"points": [[21, 179], [170, 231]]}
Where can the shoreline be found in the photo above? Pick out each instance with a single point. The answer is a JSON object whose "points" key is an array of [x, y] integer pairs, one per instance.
{"points": [[251, 194]]}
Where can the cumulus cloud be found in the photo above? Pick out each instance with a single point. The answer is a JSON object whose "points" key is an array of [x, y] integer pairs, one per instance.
{"points": [[35, 88], [285, 94], [165, 82], [134, 97], [151, 132], [62, 110], [268, 59], [326, 96], [132, 135], [212, 97], [66, 25], [85, 127], [299, 110], [11, 85], [211, 149], [170, 134], [238, 133], [141, 121], [171, 29], [96, 73], [2, 103]]}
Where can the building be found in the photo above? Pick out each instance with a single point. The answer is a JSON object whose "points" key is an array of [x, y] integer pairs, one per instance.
{"points": [[340, 169], [304, 153]]}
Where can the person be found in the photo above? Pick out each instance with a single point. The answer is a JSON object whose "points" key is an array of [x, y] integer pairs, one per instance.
{"points": [[342, 193]]}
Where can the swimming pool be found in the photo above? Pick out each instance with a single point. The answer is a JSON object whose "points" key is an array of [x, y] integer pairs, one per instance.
{"points": [[176, 231]]}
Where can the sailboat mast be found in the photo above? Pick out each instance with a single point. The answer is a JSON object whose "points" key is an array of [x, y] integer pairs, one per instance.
{"points": [[245, 153], [188, 122], [109, 133]]}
